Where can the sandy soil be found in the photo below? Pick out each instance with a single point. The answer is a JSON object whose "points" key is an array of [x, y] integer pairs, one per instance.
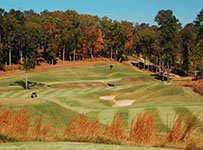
{"points": [[111, 98], [126, 102]]}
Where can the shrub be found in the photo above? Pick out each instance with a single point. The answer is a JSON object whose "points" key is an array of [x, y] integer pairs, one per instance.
{"points": [[198, 88], [6, 139]]}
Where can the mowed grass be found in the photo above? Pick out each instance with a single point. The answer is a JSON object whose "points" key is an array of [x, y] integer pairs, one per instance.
{"points": [[72, 146], [78, 89]]}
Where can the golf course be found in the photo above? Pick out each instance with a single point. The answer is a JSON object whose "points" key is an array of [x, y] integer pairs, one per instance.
{"points": [[100, 93]]}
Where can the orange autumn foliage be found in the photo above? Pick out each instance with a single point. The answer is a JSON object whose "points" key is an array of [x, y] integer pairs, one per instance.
{"points": [[99, 42], [128, 44]]}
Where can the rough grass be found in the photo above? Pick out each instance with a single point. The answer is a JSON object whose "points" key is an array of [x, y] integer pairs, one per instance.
{"points": [[197, 85], [53, 113], [18, 126]]}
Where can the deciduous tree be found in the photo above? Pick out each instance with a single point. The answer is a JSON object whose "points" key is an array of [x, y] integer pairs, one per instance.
{"points": [[168, 26]]}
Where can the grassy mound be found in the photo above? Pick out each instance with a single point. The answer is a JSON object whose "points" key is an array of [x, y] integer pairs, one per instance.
{"points": [[53, 114]]}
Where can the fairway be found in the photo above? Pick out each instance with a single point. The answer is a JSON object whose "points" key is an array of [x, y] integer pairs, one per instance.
{"points": [[80, 89]]}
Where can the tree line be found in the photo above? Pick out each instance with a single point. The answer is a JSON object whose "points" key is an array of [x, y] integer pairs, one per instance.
{"points": [[27, 37]]}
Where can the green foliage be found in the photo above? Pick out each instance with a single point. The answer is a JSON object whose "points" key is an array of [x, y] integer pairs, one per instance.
{"points": [[7, 139], [188, 37], [69, 35]]}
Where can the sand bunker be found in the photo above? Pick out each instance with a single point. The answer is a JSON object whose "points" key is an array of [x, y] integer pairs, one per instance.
{"points": [[123, 103], [118, 103], [111, 98]]}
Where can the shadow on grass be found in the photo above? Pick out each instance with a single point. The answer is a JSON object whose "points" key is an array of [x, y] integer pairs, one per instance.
{"points": [[158, 77], [30, 84]]}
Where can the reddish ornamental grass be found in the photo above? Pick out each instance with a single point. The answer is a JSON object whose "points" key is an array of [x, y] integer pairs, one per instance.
{"points": [[18, 126]]}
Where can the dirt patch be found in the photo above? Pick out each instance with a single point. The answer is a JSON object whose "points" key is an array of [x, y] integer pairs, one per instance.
{"points": [[81, 85], [12, 72], [20, 101]]}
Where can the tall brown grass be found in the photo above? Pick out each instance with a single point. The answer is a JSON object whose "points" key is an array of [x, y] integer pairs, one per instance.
{"points": [[39, 132], [142, 129], [18, 126], [116, 129], [16, 123], [181, 131], [177, 130], [82, 129]]}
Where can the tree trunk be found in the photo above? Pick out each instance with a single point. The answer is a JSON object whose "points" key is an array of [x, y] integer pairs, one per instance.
{"points": [[59, 54], [120, 60], [91, 54], [163, 70], [74, 55], [144, 63], [9, 57], [168, 72], [160, 66], [52, 61], [21, 56], [63, 54], [111, 53], [157, 65], [26, 81]]}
